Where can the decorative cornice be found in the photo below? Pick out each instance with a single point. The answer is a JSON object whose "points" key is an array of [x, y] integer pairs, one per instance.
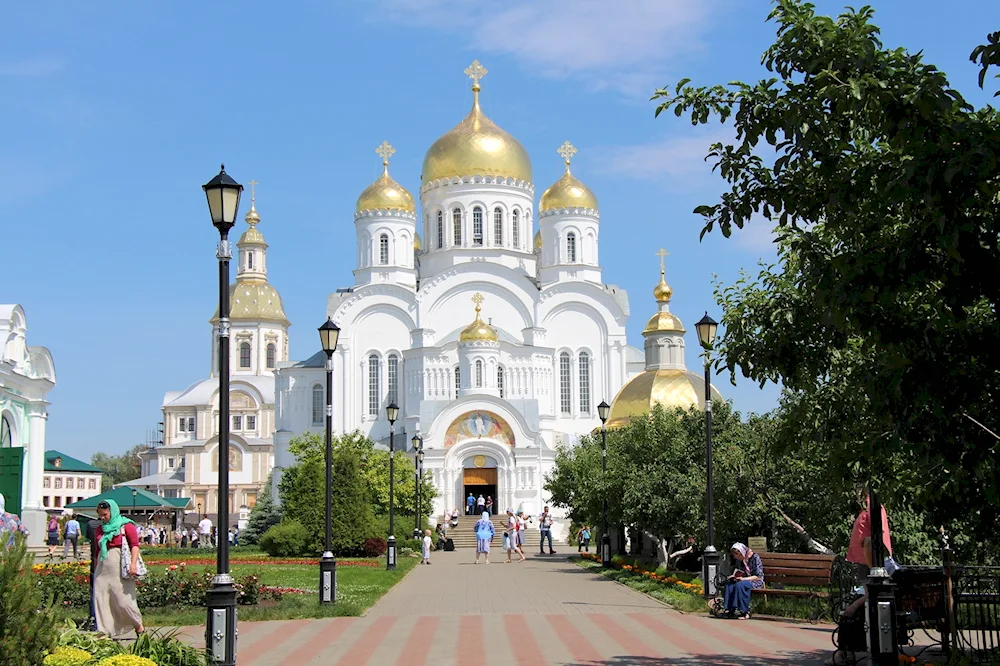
{"points": [[479, 180], [385, 212], [586, 212]]}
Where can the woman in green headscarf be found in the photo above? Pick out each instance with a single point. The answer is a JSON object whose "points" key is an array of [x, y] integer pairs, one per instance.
{"points": [[115, 604]]}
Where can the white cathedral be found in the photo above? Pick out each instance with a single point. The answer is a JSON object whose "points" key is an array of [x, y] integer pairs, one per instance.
{"points": [[485, 318]]}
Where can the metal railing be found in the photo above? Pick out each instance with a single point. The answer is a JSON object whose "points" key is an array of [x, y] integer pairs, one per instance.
{"points": [[975, 614]]}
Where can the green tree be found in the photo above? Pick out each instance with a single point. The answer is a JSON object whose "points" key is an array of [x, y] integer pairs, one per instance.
{"points": [[119, 468], [351, 517], [880, 315], [27, 619], [264, 515]]}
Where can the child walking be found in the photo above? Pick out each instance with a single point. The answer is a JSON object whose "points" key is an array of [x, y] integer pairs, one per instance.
{"points": [[507, 546], [427, 547]]}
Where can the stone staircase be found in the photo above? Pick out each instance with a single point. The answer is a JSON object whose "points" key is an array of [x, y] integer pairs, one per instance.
{"points": [[464, 535]]}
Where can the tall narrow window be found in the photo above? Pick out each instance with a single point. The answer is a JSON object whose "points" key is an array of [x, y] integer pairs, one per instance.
{"points": [[500, 380], [182, 423], [477, 226], [565, 387], [238, 422], [458, 379], [571, 248], [498, 227], [251, 423], [270, 354], [244, 354], [440, 230], [584, 379], [373, 386], [456, 223], [515, 230], [249, 261], [393, 372], [318, 411], [479, 374], [383, 249]]}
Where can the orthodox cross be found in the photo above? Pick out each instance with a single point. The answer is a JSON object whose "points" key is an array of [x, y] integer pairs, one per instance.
{"points": [[478, 300], [567, 150], [252, 184], [475, 71], [385, 151], [662, 255]]}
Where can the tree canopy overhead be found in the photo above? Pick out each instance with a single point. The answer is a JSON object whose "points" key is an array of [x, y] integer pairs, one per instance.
{"points": [[880, 314]]}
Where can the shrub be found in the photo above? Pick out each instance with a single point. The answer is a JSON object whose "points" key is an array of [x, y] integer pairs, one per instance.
{"points": [[375, 546], [264, 515], [68, 656], [164, 650], [27, 618], [126, 660], [287, 539]]}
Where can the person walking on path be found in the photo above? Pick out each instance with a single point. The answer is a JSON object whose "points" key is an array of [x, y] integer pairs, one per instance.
{"points": [[426, 547], [205, 532], [484, 536], [10, 524], [507, 546], [480, 504], [115, 606], [583, 539], [470, 504], [514, 529], [71, 535], [522, 530], [52, 535], [489, 504], [545, 530]]}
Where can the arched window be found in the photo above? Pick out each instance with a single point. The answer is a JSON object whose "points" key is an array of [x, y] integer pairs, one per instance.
{"points": [[383, 249], [500, 380], [477, 226], [6, 438], [515, 230], [393, 373], [440, 230], [456, 223], [498, 226], [479, 374], [374, 392], [318, 405], [571, 248], [250, 261], [584, 379], [244, 354], [270, 354], [565, 387], [458, 379]]}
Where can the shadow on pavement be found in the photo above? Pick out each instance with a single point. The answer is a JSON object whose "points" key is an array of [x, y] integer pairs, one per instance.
{"points": [[813, 658]]}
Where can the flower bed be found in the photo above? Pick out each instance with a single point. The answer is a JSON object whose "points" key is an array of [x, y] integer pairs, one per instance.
{"points": [[671, 581], [262, 561]]}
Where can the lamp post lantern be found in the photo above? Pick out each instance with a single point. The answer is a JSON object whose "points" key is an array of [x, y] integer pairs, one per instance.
{"points": [[329, 333], [603, 411], [223, 194], [707, 328], [391, 412], [418, 461]]}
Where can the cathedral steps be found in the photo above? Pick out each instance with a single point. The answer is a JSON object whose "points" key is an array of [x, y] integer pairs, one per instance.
{"points": [[464, 535]]}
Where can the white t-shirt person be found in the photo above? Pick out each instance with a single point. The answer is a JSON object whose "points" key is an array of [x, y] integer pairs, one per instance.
{"points": [[205, 527]]}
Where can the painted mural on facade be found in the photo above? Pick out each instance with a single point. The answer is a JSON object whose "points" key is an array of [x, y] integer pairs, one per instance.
{"points": [[479, 425]]}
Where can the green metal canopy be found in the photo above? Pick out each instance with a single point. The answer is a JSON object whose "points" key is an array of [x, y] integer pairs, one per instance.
{"points": [[142, 501]]}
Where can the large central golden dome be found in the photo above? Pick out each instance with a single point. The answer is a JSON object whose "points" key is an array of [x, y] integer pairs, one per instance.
{"points": [[476, 147]]}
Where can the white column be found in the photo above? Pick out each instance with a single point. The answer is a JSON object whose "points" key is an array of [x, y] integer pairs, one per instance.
{"points": [[33, 512]]}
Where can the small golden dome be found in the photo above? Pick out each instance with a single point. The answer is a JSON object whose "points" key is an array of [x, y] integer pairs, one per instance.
{"points": [[252, 217], [417, 243], [254, 299], [662, 292], [386, 194], [476, 146], [663, 322], [670, 388], [478, 330], [567, 192], [538, 240], [251, 236]]}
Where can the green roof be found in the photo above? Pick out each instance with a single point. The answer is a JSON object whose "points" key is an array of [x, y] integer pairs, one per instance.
{"points": [[123, 496], [67, 464]]}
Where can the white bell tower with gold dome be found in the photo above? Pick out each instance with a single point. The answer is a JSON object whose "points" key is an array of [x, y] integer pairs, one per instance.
{"points": [[568, 223], [478, 355], [386, 222]]}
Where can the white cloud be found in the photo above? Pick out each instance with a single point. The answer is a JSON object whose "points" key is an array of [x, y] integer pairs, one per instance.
{"points": [[620, 44], [677, 161]]}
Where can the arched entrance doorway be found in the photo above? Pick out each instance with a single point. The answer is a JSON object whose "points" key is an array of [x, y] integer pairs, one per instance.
{"points": [[480, 479]]}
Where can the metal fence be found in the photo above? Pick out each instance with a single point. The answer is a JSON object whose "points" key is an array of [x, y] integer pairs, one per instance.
{"points": [[975, 614]]}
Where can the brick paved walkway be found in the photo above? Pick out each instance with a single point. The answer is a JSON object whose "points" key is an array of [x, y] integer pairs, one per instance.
{"points": [[544, 611]]}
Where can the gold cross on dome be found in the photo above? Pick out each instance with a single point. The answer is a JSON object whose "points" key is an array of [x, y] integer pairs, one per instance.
{"points": [[385, 151], [662, 254], [252, 184], [478, 300], [475, 71], [567, 150]]}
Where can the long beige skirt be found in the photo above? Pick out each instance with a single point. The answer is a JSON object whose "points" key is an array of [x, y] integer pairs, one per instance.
{"points": [[114, 597]]}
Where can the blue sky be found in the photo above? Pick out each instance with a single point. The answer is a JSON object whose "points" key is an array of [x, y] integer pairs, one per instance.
{"points": [[115, 113]]}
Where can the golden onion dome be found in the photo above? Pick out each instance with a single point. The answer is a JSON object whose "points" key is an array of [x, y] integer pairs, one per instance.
{"points": [[662, 291], [385, 193], [478, 330], [663, 322], [476, 146], [418, 244], [669, 388], [568, 191], [254, 299], [252, 236], [538, 240]]}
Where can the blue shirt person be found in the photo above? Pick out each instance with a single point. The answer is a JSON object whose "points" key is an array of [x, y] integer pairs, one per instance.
{"points": [[470, 504]]}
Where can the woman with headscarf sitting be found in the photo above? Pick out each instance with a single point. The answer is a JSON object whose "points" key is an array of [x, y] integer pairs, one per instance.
{"points": [[748, 575], [484, 536], [114, 588]]}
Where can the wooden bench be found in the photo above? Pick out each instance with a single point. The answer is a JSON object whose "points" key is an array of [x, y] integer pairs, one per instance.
{"points": [[812, 572]]}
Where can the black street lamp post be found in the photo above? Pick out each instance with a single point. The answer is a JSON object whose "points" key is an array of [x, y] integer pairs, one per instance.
{"points": [[223, 194], [329, 333], [603, 411], [391, 412], [707, 328], [418, 460]]}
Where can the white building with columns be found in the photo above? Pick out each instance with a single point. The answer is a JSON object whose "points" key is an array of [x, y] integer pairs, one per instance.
{"points": [[27, 374], [482, 313]]}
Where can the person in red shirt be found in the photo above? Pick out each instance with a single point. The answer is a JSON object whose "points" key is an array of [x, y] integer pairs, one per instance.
{"points": [[860, 549], [115, 604]]}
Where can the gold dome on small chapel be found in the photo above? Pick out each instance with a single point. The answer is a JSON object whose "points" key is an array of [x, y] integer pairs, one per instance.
{"points": [[476, 146], [568, 191], [385, 193], [478, 330]]}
